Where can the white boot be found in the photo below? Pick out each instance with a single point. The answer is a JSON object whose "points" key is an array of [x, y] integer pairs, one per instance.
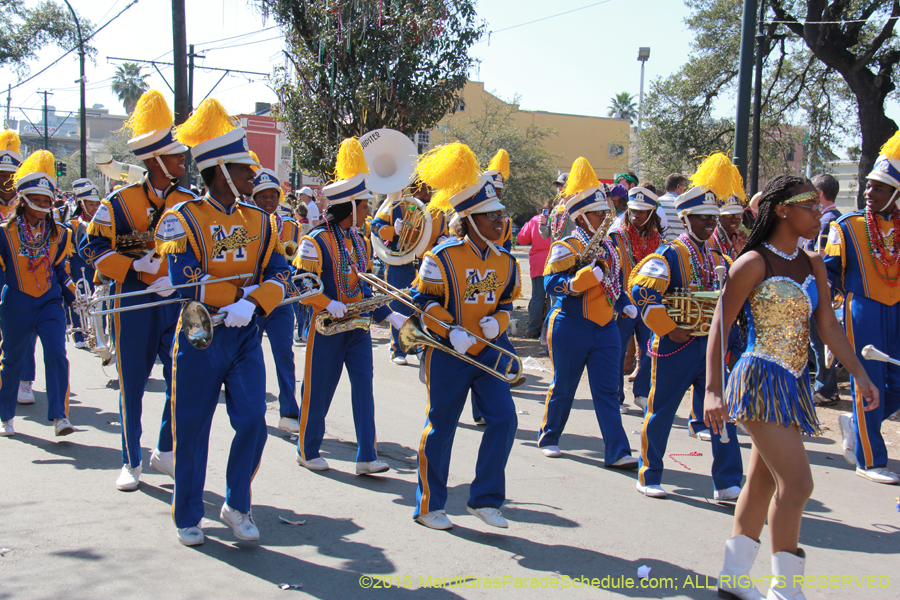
{"points": [[734, 580], [786, 567]]}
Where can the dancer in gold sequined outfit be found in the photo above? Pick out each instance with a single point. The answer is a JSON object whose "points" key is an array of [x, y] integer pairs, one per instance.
{"points": [[777, 287]]}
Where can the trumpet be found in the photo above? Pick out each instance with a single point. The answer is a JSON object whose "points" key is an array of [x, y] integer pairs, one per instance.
{"points": [[355, 317], [92, 328], [692, 311], [290, 250], [413, 333]]}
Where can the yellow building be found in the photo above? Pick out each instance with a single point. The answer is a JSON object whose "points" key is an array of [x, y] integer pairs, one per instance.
{"points": [[601, 140]]}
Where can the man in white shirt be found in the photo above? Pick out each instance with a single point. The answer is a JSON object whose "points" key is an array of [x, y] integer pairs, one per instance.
{"points": [[308, 198], [676, 183]]}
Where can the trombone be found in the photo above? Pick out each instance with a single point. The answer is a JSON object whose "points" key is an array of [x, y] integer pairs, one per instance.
{"points": [[413, 333], [113, 297]]}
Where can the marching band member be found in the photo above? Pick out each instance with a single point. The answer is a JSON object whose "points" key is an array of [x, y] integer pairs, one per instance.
{"points": [[33, 253], [779, 287], [336, 251], [141, 336], [639, 234], [10, 161], [583, 320], [87, 197], [279, 324], [498, 171], [467, 284], [212, 237], [728, 238], [677, 355], [863, 260]]}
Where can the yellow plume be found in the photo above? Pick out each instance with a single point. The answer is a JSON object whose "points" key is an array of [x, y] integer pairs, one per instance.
{"points": [[716, 173], [581, 177], [39, 162], [9, 140], [891, 148], [737, 185], [452, 167], [350, 160], [440, 201], [500, 163], [255, 158], [208, 121], [151, 113]]}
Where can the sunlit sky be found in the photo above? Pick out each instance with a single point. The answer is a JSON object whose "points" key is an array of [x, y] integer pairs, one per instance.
{"points": [[572, 63]]}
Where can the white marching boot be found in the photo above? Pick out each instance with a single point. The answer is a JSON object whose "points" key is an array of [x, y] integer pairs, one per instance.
{"points": [[786, 567], [735, 582]]}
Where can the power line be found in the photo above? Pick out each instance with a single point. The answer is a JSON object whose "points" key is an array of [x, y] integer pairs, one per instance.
{"points": [[234, 37], [568, 12], [277, 37]]}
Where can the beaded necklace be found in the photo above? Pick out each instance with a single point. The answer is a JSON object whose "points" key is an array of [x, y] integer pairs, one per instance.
{"points": [[558, 221], [345, 260], [639, 247], [36, 247], [704, 273], [722, 245], [878, 250], [611, 284]]}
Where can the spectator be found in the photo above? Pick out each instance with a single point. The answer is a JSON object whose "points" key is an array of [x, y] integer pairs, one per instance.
{"points": [[676, 184], [628, 179], [537, 256], [308, 199]]}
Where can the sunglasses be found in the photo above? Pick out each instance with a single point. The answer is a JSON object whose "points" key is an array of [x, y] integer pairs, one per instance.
{"points": [[493, 217], [819, 208]]}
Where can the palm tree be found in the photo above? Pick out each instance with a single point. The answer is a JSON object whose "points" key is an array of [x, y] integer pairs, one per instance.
{"points": [[128, 84], [622, 106]]}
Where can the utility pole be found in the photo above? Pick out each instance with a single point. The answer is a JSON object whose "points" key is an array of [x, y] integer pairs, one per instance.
{"points": [[81, 80], [182, 101], [46, 134], [8, 102], [757, 99], [745, 77]]}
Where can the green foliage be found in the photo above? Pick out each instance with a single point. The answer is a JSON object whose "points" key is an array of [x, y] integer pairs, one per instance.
{"points": [[128, 84], [622, 106], [530, 164], [24, 31], [360, 65]]}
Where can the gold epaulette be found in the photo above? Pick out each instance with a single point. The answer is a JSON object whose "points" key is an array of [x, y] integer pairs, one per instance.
{"points": [[654, 283]]}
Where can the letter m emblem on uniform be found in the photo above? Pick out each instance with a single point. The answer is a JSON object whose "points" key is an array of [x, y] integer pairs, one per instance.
{"points": [[234, 241], [480, 284]]}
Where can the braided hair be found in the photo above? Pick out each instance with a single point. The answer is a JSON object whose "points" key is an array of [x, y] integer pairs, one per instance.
{"points": [[774, 193]]}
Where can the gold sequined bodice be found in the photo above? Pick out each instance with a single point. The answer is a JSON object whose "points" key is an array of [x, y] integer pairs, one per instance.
{"points": [[779, 321]]}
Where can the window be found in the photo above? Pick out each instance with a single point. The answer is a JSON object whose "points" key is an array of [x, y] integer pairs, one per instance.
{"points": [[423, 141], [614, 150], [790, 155], [461, 105]]}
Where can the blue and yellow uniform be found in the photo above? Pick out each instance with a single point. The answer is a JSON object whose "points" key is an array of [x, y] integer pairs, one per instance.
{"points": [[401, 276], [458, 284], [871, 316], [203, 239], [7, 208], [506, 240], [326, 355], [145, 335], [583, 325], [32, 303], [676, 368]]}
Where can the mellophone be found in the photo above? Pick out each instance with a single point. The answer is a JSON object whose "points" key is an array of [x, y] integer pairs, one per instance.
{"points": [[692, 311]]}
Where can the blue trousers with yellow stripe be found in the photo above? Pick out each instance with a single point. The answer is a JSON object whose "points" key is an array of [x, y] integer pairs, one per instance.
{"points": [[235, 360], [671, 377], [627, 328], [21, 317], [279, 325], [871, 322], [142, 336], [502, 341], [581, 343], [326, 356], [399, 276], [449, 380], [28, 371]]}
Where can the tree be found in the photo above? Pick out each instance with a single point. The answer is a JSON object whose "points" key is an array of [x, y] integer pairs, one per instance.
{"points": [[530, 164], [128, 84], [360, 65], [622, 106], [24, 31]]}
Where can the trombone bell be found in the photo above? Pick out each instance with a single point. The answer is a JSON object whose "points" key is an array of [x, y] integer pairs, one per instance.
{"points": [[196, 324]]}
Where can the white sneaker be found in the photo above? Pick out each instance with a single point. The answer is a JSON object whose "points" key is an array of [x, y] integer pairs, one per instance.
{"points": [[80, 345], [623, 409], [26, 394], [129, 478], [879, 475], [314, 464], [241, 523], [163, 462], [728, 494], [289, 424], [626, 462], [491, 516], [371, 467], [704, 436], [641, 402], [190, 536], [848, 442], [652, 491], [6, 428], [63, 427], [436, 519], [551, 451], [479, 421], [399, 360], [296, 338]]}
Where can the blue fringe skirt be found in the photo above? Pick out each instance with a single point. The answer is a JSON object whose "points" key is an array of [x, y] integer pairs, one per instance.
{"points": [[763, 390]]}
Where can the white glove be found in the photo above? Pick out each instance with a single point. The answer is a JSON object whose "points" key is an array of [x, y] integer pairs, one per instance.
{"points": [[336, 309], [489, 327], [146, 264], [398, 226], [162, 282], [598, 273], [248, 289], [630, 311], [239, 314], [396, 320], [461, 340]]}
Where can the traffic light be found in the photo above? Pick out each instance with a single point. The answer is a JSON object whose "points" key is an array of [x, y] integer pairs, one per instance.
{"points": [[60, 168]]}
